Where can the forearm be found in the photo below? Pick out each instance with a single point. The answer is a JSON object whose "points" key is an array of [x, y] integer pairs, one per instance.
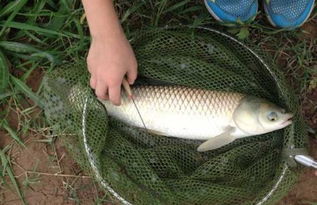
{"points": [[110, 57], [102, 19]]}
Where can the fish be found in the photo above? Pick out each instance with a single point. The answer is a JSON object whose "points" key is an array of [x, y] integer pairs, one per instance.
{"points": [[216, 117]]}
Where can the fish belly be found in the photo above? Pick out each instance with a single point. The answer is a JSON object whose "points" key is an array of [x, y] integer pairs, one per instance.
{"points": [[177, 111]]}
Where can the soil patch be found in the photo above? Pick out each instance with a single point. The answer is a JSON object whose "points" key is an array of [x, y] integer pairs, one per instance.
{"points": [[47, 175]]}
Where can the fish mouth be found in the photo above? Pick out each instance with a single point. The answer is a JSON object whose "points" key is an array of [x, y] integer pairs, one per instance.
{"points": [[288, 119]]}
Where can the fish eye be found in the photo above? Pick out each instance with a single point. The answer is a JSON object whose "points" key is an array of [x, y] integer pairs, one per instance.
{"points": [[272, 116]]}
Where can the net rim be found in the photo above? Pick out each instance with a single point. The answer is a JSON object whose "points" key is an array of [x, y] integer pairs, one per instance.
{"points": [[92, 158]]}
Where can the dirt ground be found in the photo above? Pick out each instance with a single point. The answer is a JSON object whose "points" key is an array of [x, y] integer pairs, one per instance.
{"points": [[47, 175]]}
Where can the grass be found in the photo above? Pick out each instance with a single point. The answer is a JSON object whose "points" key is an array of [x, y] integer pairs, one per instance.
{"points": [[33, 35], [43, 34], [7, 170]]}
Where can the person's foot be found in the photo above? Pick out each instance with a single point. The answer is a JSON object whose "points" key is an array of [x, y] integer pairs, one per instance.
{"points": [[288, 13], [232, 11]]}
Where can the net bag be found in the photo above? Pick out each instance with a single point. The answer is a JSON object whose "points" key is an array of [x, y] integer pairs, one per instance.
{"points": [[142, 168]]}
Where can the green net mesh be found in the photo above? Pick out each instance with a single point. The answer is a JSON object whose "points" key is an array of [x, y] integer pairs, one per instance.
{"points": [[141, 168]]}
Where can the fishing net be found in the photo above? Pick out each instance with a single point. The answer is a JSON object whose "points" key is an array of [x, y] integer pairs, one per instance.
{"points": [[142, 168]]}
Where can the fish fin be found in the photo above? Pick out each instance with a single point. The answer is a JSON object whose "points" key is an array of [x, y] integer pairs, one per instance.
{"points": [[218, 141], [154, 132]]}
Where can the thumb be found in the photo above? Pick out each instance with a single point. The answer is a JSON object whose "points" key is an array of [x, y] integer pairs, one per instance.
{"points": [[131, 75]]}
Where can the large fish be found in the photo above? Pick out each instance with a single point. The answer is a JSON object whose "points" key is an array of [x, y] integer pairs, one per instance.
{"points": [[215, 116]]}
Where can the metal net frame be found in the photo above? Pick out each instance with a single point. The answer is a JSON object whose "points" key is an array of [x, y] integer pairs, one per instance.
{"points": [[141, 168]]}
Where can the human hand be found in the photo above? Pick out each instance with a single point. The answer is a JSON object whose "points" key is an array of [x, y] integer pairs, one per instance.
{"points": [[109, 61]]}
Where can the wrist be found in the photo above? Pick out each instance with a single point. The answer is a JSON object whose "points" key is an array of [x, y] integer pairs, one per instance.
{"points": [[102, 19], [108, 35], [106, 30]]}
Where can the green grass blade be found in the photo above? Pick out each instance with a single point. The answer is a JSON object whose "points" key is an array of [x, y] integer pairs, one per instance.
{"points": [[176, 6], [131, 11], [18, 47], [161, 5], [46, 55], [191, 9], [25, 48], [37, 8], [34, 38], [5, 95], [13, 6], [32, 16], [81, 34], [28, 27], [22, 87], [15, 10], [20, 56], [7, 9], [4, 72], [52, 3], [58, 20], [30, 69], [12, 133], [23, 26], [8, 169]]}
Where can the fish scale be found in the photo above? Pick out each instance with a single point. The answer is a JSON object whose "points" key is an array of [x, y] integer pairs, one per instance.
{"points": [[178, 111]]}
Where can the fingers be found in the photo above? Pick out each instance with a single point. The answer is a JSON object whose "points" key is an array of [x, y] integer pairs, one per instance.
{"points": [[114, 93], [93, 82], [107, 84], [131, 75], [101, 90], [104, 92]]}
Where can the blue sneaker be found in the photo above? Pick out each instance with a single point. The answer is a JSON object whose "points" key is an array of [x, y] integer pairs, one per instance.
{"points": [[288, 13], [232, 11]]}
